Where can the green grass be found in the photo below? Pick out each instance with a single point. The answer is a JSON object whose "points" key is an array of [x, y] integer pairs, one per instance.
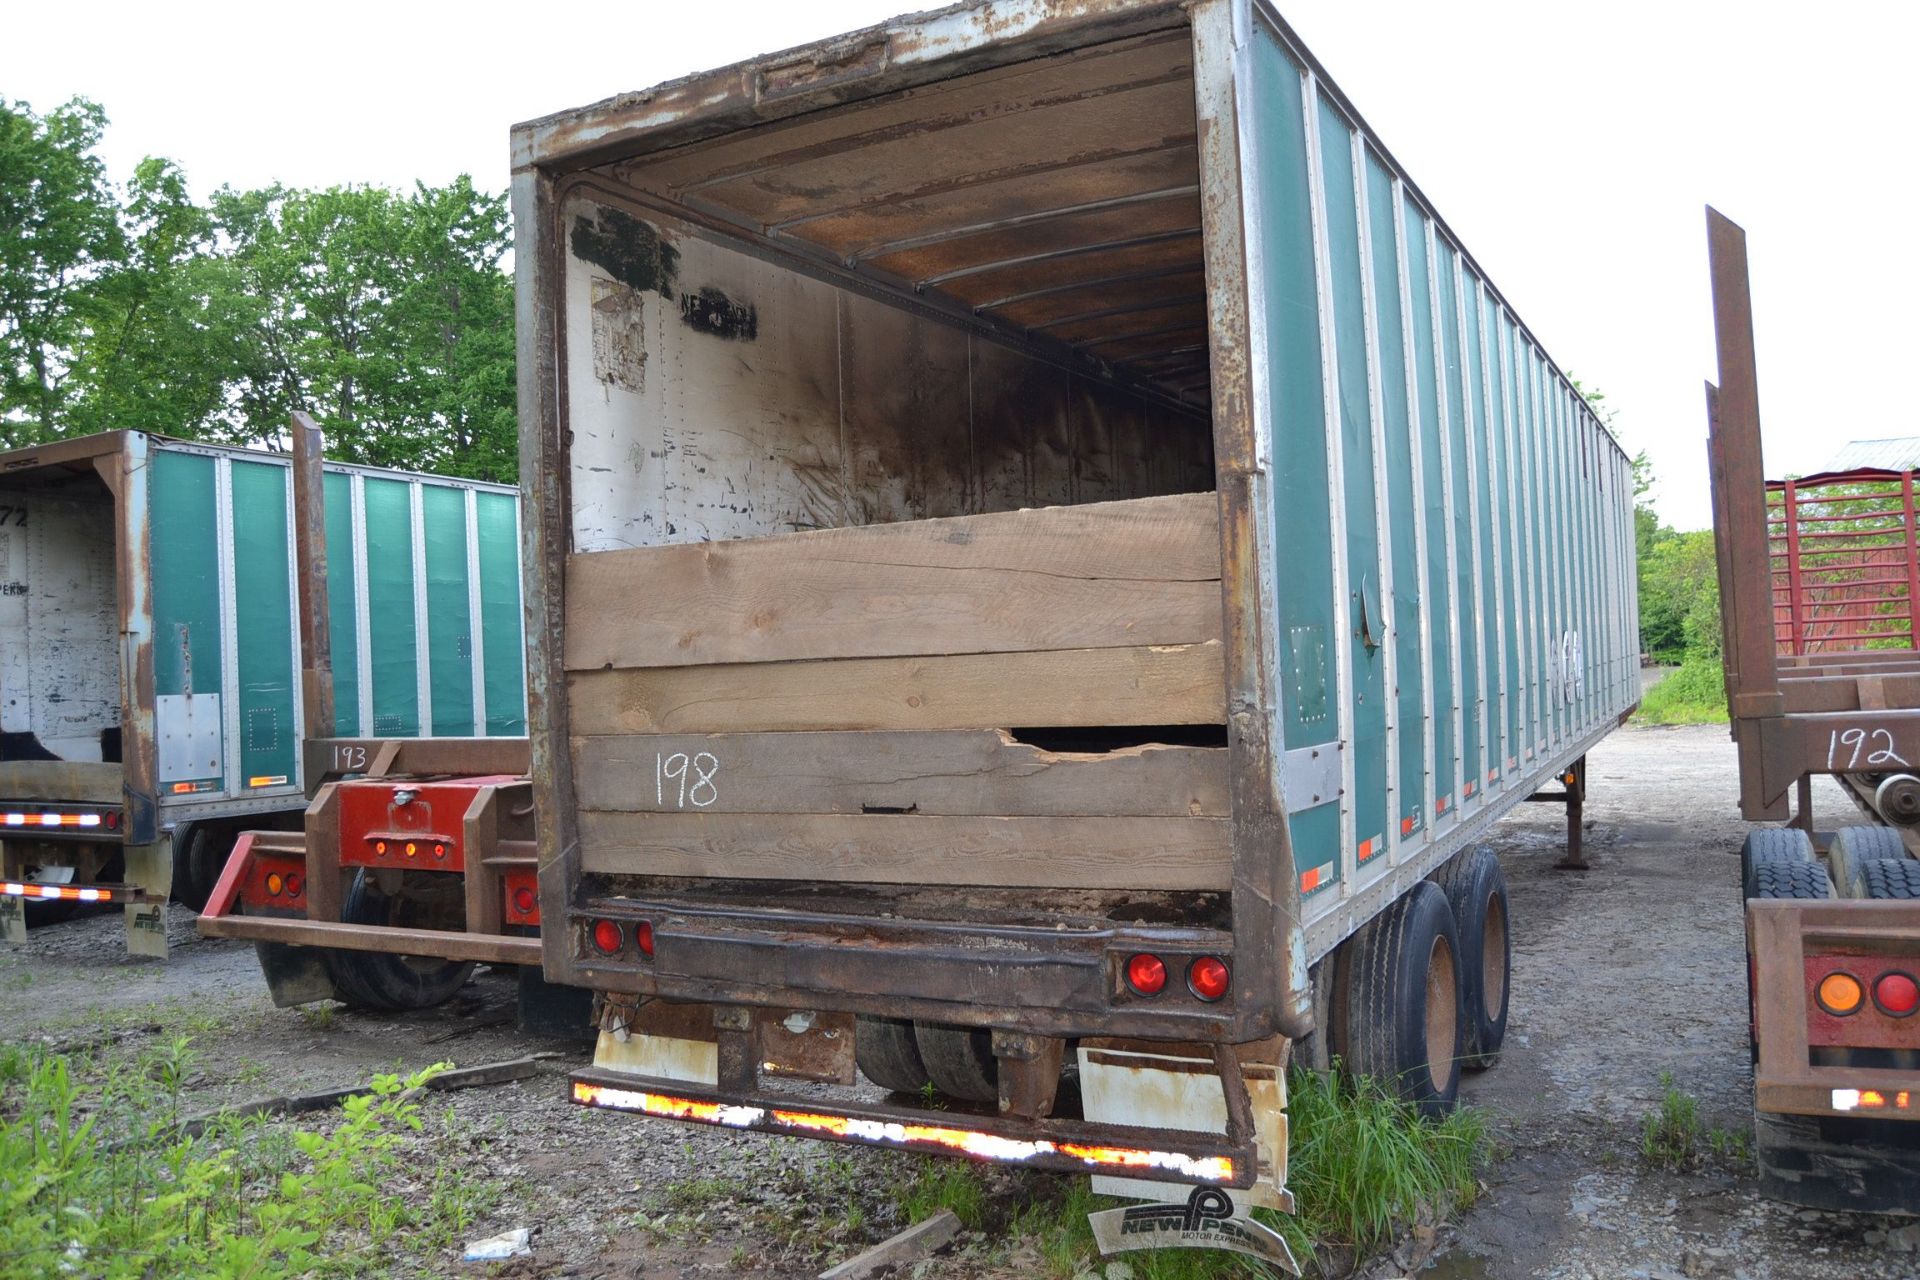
{"points": [[1696, 693], [1674, 1138], [96, 1178]]}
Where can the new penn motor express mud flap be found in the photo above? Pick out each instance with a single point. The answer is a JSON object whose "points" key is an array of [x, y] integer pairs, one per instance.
{"points": [[1208, 1220]]}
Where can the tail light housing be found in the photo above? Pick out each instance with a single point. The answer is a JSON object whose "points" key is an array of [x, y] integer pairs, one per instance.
{"points": [[1897, 994], [1147, 974], [1208, 978]]}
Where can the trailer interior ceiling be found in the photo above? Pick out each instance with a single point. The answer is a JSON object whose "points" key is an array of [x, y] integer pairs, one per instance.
{"points": [[977, 294], [1056, 199]]}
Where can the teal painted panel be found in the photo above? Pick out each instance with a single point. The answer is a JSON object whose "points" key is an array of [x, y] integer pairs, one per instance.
{"points": [[1462, 785], [394, 673], [1543, 490], [1438, 570], [342, 610], [184, 548], [443, 513], [1303, 515], [1364, 627], [502, 652], [1510, 555], [267, 644], [1403, 512], [1495, 691]]}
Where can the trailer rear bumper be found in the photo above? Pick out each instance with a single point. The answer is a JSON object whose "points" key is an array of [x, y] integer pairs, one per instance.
{"points": [[1048, 981], [1802, 1069], [255, 851], [1068, 1146]]}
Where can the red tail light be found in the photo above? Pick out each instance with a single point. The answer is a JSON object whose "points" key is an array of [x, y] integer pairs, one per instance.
{"points": [[1896, 993], [607, 937], [1207, 978], [1147, 974], [643, 934], [523, 900]]}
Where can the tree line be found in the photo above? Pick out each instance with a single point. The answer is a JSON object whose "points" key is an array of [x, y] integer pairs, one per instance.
{"points": [[385, 314]]}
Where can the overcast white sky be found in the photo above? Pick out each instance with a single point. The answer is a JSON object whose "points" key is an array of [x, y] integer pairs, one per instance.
{"points": [[1570, 145]]}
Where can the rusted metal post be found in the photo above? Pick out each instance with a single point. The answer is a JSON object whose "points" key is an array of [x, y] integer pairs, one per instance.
{"points": [[1575, 781], [1803, 806], [310, 560], [1754, 682], [1913, 561], [1792, 513]]}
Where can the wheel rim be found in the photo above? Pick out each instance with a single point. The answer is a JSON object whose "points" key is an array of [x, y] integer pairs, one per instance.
{"points": [[1493, 957], [1443, 1022]]}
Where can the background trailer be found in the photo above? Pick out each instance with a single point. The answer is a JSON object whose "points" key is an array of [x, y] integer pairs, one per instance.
{"points": [[151, 665]]}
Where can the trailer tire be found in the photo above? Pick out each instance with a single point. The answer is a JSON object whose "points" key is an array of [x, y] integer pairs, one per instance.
{"points": [[960, 1061], [888, 1054], [200, 852], [1788, 880], [1774, 844], [1405, 1026], [1852, 847], [377, 980], [1886, 878], [1477, 894]]}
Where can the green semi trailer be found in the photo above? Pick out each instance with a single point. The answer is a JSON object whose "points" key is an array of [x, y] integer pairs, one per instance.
{"points": [[151, 662]]}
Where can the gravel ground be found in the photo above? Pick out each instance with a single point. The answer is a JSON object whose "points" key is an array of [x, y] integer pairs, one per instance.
{"points": [[1621, 973]]}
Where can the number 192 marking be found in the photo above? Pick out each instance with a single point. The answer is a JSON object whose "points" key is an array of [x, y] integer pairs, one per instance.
{"points": [[1850, 744], [695, 775]]}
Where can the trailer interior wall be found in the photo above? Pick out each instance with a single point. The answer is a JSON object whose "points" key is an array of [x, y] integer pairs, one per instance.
{"points": [[59, 622], [954, 465]]}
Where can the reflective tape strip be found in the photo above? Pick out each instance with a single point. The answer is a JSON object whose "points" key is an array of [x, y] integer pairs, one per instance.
{"points": [[50, 819], [978, 1143], [53, 892]]}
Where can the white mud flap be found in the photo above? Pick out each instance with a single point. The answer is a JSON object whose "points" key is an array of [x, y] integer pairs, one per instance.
{"points": [[149, 869], [1176, 1087], [13, 920], [1208, 1220]]}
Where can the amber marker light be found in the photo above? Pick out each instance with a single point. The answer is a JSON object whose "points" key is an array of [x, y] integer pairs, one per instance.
{"points": [[1840, 994]]}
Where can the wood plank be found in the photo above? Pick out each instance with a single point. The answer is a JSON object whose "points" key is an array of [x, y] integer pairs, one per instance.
{"points": [[956, 773], [1102, 575], [1177, 684], [1065, 853]]}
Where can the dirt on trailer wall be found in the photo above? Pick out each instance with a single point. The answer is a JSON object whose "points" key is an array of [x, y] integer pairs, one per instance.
{"points": [[1627, 972], [714, 394]]}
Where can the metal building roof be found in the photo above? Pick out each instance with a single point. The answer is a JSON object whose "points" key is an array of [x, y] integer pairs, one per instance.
{"points": [[1895, 453]]}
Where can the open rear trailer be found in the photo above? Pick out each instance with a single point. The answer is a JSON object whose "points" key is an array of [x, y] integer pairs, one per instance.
{"points": [[152, 701], [1819, 576], [1044, 557]]}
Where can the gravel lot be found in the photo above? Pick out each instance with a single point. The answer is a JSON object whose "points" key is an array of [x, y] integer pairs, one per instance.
{"points": [[1622, 973]]}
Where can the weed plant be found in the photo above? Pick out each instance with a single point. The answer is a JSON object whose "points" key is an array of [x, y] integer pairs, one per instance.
{"points": [[98, 1179]]}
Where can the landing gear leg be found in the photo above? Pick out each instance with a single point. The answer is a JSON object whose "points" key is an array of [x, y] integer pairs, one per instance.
{"points": [[1574, 779]]}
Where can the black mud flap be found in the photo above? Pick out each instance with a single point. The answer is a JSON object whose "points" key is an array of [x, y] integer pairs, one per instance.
{"points": [[547, 1009], [295, 975]]}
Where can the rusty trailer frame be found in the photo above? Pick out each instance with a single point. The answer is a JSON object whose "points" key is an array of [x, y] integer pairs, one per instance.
{"points": [[1797, 712]]}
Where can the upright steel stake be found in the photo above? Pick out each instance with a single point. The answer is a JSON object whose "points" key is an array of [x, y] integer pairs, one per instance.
{"points": [[310, 561]]}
